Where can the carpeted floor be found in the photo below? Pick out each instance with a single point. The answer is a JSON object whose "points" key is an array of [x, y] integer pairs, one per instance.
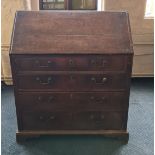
{"points": [[140, 127]]}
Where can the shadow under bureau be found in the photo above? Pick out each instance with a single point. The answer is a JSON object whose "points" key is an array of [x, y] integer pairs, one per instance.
{"points": [[71, 72]]}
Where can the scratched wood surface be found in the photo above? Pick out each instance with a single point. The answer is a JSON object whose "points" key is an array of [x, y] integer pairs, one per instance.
{"points": [[46, 32]]}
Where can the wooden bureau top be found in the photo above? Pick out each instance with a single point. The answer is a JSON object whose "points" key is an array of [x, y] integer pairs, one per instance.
{"points": [[54, 32]]}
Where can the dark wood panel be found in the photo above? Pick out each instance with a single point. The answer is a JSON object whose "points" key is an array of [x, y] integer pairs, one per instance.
{"points": [[71, 32], [71, 70], [61, 120], [73, 82], [72, 101], [74, 62], [46, 120], [110, 120]]}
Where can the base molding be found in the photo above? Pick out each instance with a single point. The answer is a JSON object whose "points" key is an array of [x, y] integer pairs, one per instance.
{"points": [[117, 134]]}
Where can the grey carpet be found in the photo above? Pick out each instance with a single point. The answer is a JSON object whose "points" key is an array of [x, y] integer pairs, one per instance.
{"points": [[140, 127]]}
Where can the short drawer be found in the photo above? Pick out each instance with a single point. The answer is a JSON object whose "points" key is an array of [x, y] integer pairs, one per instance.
{"points": [[70, 62], [45, 120], [72, 100], [88, 120], [73, 82], [106, 120]]}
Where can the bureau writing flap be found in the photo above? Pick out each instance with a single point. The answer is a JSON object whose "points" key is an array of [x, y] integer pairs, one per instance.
{"points": [[48, 32]]}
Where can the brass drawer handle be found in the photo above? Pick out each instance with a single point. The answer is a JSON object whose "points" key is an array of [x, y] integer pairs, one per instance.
{"points": [[98, 63], [39, 98], [71, 63], [50, 99], [52, 117], [92, 117], [43, 66], [47, 82], [102, 81], [71, 96], [97, 100], [92, 98], [93, 62], [41, 118], [72, 77], [101, 117], [103, 63]]}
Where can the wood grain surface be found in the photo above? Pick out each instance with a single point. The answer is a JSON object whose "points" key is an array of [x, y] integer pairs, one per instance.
{"points": [[71, 32], [71, 71]]}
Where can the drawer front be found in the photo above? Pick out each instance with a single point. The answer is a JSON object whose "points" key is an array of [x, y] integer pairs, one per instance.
{"points": [[71, 62], [89, 120], [107, 120], [73, 101], [73, 82], [45, 120]]}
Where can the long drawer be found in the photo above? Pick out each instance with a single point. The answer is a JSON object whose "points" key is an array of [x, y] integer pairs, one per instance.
{"points": [[73, 82], [72, 100], [61, 120], [70, 62]]}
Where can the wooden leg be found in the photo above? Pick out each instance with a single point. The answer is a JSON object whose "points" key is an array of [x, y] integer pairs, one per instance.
{"points": [[121, 136], [124, 138], [24, 137]]}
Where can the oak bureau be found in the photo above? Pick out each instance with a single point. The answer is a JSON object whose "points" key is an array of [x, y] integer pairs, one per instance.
{"points": [[71, 72]]}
